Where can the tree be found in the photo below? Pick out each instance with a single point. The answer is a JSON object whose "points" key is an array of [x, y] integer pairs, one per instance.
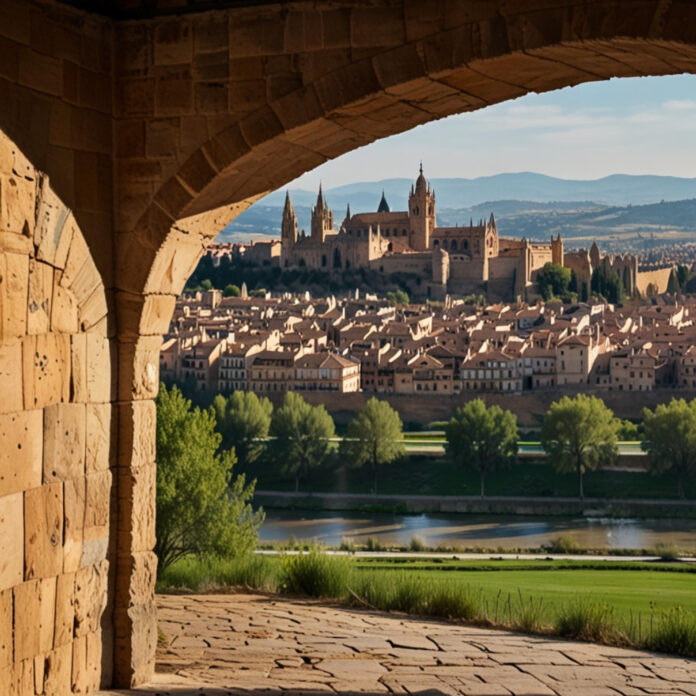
{"points": [[374, 437], [482, 438], [682, 276], [206, 284], [607, 284], [579, 434], [301, 434], [200, 508], [398, 297], [231, 291], [670, 439], [244, 420], [553, 281]]}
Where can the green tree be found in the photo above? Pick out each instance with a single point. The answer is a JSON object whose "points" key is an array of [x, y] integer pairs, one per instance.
{"points": [[629, 432], [670, 439], [373, 437], [579, 434], [607, 284], [244, 420], [554, 281], [482, 438], [301, 434], [231, 291], [398, 297], [201, 509], [206, 284], [682, 276]]}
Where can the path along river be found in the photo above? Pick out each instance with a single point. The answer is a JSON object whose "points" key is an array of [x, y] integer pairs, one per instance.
{"points": [[470, 531]]}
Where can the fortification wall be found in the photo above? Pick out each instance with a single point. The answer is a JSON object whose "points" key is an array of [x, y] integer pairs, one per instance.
{"points": [[658, 278], [405, 263]]}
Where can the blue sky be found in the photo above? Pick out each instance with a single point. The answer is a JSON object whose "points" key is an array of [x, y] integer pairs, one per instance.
{"points": [[627, 126]]}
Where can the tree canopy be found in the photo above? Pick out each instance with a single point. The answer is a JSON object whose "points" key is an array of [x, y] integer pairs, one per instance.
{"points": [[670, 439], [201, 509], [579, 434], [554, 281], [373, 437], [482, 438], [301, 434], [244, 421], [607, 284], [398, 296], [231, 291]]}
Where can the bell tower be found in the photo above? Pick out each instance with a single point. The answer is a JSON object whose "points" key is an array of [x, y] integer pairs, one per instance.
{"points": [[322, 218], [288, 227], [421, 213]]}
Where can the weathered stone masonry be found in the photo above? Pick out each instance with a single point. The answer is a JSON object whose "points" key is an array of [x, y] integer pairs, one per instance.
{"points": [[129, 136]]}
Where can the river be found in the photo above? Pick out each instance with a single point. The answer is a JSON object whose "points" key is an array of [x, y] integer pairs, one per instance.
{"points": [[469, 531]]}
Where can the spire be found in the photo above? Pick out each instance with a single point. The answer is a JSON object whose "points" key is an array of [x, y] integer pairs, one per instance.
{"points": [[491, 221], [288, 210], [348, 211], [321, 203], [421, 184], [383, 205]]}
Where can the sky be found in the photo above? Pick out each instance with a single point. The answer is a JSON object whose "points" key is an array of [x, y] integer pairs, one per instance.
{"points": [[622, 126]]}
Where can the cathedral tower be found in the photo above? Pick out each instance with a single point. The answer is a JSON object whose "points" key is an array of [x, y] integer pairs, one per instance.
{"points": [[288, 227], [421, 212], [322, 218], [557, 250]]}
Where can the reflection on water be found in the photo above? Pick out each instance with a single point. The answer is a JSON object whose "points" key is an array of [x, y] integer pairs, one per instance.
{"points": [[489, 531]]}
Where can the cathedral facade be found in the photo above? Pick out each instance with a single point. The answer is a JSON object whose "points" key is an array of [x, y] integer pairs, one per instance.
{"points": [[462, 259]]}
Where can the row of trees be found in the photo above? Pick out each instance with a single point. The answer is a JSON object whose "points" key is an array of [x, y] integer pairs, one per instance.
{"points": [[299, 437], [579, 434]]}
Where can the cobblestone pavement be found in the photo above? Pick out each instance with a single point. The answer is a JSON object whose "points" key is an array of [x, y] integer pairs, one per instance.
{"points": [[249, 644]]}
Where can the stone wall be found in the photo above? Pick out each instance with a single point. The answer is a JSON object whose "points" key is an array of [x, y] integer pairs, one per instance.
{"points": [[57, 453], [657, 279]]}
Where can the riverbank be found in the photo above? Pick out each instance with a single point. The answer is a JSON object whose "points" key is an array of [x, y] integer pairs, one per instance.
{"points": [[493, 505]]}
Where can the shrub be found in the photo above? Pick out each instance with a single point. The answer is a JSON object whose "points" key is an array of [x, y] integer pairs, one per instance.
{"points": [[586, 619], [666, 552], [373, 544], [315, 574], [416, 544], [674, 632], [451, 602], [565, 543], [529, 614]]}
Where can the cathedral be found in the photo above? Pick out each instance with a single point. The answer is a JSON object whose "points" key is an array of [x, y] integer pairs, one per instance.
{"points": [[463, 259]]}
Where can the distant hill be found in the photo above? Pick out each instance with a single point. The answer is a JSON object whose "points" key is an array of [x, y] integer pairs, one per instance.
{"points": [[617, 189]]}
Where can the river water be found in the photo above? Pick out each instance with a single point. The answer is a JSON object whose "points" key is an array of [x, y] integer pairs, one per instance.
{"points": [[469, 531]]}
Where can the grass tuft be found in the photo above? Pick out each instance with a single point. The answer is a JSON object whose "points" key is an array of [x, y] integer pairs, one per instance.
{"points": [[587, 619], [417, 544], [315, 574], [566, 543], [674, 632], [666, 552]]}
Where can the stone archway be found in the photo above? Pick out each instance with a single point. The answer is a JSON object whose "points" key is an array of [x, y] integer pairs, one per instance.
{"points": [[158, 128]]}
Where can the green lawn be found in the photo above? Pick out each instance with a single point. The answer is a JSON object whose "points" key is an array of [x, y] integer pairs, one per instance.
{"points": [[428, 475]]}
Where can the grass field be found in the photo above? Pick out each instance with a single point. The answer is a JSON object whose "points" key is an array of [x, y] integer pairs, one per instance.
{"points": [[427, 475], [641, 604]]}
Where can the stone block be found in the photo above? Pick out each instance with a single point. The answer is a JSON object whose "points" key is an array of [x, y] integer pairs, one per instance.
{"points": [[14, 283], [143, 315], [93, 312], [21, 451], [40, 664], [78, 368], [64, 310], [97, 507], [40, 296], [136, 642], [34, 618], [139, 368], [256, 34], [11, 543], [55, 227], [65, 609], [173, 42], [80, 675], [11, 378], [17, 196], [101, 437], [43, 531], [58, 671], [173, 96], [5, 630], [100, 368], [64, 442], [46, 369], [74, 492], [136, 504], [99, 660], [90, 597], [137, 429]]}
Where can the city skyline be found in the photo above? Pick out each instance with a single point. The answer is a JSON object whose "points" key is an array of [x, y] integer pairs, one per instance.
{"points": [[583, 132]]}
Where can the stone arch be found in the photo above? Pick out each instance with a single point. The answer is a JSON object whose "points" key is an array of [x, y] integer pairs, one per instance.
{"points": [[58, 459]]}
